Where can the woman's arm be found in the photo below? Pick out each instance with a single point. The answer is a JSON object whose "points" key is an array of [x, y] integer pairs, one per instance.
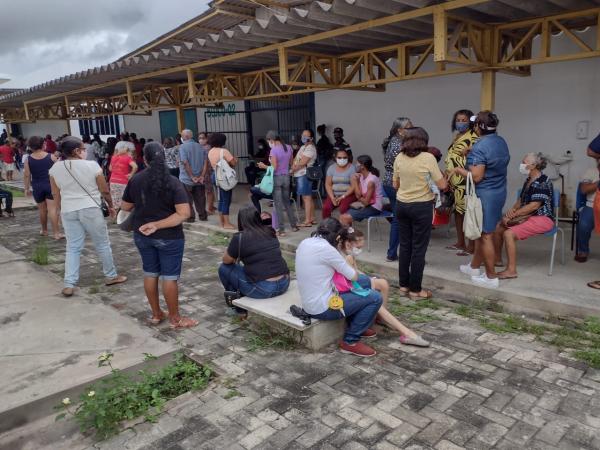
{"points": [[105, 192], [478, 172], [134, 168], [329, 187], [55, 191], [367, 198], [182, 212], [27, 178], [227, 259], [588, 188], [301, 164], [126, 206]]}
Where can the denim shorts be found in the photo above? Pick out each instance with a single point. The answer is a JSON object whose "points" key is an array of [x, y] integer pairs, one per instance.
{"points": [[303, 185], [160, 257]]}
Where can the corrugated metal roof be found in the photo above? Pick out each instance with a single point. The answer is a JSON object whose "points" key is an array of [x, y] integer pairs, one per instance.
{"points": [[230, 26]]}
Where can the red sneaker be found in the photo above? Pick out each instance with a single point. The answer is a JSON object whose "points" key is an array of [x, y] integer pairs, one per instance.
{"points": [[369, 333], [358, 349]]}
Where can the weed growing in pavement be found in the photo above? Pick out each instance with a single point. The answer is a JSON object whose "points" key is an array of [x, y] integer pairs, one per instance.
{"points": [[290, 261], [40, 253], [119, 397], [581, 339], [218, 238], [263, 337], [94, 289], [414, 311], [231, 393]]}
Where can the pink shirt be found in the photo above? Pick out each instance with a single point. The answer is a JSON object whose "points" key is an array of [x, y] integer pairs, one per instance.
{"points": [[120, 168], [283, 157], [377, 202]]}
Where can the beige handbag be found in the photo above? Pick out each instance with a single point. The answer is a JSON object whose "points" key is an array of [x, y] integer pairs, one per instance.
{"points": [[473, 223]]}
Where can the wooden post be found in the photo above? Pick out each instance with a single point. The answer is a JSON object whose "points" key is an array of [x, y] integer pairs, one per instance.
{"points": [[191, 84], [129, 93], [283, 67], [180, 119], [488, 90], [440, 34], [8, 130]]}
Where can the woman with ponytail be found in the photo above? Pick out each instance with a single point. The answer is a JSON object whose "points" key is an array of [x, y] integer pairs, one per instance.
{"points": [[161, 205]]}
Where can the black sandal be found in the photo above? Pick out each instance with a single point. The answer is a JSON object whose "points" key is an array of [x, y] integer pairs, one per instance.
{"points": [[230, 296]]}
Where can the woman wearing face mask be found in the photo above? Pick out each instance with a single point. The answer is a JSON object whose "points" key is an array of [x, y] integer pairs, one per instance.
{"points": [[531, 215], [391, 149], [209, 187], [306, 157], [338, 184], [464, 139], [487, 162], [367, 189], [280, 159], [351, 243]]}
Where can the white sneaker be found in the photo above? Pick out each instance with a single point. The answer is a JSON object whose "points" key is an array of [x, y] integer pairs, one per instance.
{"points": [[468, 270], [484, 281]]}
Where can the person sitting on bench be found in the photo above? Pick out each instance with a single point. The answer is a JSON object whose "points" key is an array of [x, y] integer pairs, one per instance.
{"points": [[264, 273]]}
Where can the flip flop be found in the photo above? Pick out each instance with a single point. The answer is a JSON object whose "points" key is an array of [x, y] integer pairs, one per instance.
{"points": [[463, 253], [156, 321], [413, 296], [404, 291], [184, 322], [305, 225], [507, 277], [453, 247], [594, 284], [116, 280]]}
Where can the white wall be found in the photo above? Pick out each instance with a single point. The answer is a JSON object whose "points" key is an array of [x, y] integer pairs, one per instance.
{"points": [[143, 126], [537, 113], [43, 127]]}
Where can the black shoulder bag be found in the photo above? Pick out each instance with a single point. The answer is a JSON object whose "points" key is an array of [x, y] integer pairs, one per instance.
{"points": [[102, 205], [230, 296]]}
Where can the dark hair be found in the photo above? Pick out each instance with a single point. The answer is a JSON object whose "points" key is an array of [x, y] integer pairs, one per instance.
{"points": [[415, 141], [97, 138], [217, 140], [69, 145], [367, 161], [435, 152], [35, 142], [345, 151], [203, 133], [462, 112], [154, 154], [487, 122], [168, 142], [143, 141], [133, 137], [85, 138], [48, 136], [250, 223], [311, 132], [322, 129], [329, 229], [111, 142], [349, 234]]}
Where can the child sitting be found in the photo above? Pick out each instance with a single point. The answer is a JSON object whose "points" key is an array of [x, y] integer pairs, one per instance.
{"points": [[351, 243]]}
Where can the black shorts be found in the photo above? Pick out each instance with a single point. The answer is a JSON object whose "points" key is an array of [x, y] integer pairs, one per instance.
{"points": [[42, 193]]}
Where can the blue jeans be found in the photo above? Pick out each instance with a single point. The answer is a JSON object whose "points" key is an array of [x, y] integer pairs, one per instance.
{"points": [[76, 224], [234, 278], [584, 229], [256, 195], [8, 198], [392, 252], [363, 213], [224, 198], [160, 257], [360, 311]]}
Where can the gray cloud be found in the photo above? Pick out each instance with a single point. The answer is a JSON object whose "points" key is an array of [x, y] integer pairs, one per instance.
{"points": [[49, 39]]}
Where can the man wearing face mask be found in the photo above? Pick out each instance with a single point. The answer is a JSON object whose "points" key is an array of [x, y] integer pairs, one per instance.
{"points": [[531, 215], [341, 144]]}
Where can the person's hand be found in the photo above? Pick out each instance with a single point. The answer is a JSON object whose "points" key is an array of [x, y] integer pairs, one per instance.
{"points": [[111, 212], [262, 165], [148, 228], [28, 193], [335, 201]]}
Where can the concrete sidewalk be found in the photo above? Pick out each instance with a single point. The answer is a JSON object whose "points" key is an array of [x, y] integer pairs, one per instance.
{"points": [[564, 294], [50, 344]]}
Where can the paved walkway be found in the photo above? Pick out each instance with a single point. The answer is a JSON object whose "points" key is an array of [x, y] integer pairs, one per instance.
{"points": [[472, 389]]}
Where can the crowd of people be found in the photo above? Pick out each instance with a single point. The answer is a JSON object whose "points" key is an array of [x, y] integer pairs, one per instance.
{"points": [[80, 182]]}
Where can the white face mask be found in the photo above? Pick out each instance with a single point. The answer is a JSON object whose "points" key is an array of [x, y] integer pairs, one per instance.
{"points": [[356, 251], [523, 169], [342, 161], [271, 144]]}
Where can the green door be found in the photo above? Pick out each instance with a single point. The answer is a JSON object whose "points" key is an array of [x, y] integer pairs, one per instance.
{"points": [[168, 124]]}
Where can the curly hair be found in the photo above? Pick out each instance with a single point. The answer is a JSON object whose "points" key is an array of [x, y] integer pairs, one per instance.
{"points": [[462, 112], [69, 145], [415, 141]]}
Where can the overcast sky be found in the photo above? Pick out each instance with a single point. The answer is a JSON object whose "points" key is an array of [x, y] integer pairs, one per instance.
{"points": [[46, 39]]}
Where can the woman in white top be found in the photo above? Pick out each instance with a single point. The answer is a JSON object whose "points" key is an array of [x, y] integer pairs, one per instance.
{"points": [[79, 186], [306, 157], [317, 260]]}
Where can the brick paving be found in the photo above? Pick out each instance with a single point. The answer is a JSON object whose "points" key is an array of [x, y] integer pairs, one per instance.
{"points": [[472, 389]]}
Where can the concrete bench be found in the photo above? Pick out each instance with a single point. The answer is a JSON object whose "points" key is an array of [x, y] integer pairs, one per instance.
{"points": [[276, 313]]}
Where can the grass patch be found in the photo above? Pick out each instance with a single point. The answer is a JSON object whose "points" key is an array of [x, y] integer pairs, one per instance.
{"points": [[218, 238], [40, 253], [592, 357], [15, 192], [413, 312], [291, 262], [105, 405], [262, 337], [231, 393], [94, 289]]}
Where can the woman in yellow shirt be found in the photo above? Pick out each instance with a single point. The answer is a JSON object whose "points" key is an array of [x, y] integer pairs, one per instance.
{"points": [[464, 139], [414, 169]]}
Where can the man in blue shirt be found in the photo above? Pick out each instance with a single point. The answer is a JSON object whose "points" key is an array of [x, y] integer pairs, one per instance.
{"points": [[594, 148], [193, 168]]}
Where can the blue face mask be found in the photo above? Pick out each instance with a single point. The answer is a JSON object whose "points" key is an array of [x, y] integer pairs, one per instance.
{"points": [[461, 127], [305, 139]]}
